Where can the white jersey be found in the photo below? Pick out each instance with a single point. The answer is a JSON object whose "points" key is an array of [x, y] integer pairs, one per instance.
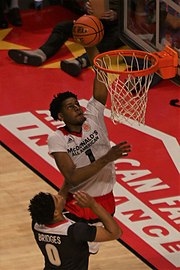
{"points": [[91, 144]]}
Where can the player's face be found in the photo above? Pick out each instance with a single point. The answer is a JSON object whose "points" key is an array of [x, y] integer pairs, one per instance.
{"points": [[72, 113]]}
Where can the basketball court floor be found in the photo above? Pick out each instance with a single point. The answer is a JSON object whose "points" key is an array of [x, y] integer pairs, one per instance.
{"points": [[148, 182]]}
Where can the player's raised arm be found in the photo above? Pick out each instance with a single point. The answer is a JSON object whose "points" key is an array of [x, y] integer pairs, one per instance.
{"points": [[110, 229], [88, 38], [100, 92]]}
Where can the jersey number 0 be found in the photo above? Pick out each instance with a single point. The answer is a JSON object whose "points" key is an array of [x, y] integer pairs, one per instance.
{"points": [[53, 254]]}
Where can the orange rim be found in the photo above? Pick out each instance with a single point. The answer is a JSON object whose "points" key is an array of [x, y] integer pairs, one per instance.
{"points": [[139, 54]]}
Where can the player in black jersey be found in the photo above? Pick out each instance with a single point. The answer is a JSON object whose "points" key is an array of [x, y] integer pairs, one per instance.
{"points": [[62, 242]]}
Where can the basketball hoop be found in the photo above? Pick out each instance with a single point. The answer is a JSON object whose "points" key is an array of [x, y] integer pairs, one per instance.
{"points": [[128, 74]]}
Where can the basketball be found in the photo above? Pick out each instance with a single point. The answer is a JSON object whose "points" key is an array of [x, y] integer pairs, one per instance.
{"points": [[88, 30]]}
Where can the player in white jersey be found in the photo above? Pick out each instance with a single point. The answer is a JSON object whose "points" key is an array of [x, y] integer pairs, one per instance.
{"points": [[88, 145], [82, 149]]}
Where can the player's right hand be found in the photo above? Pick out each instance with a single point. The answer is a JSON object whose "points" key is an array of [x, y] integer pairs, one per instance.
{"points": [[83, 199]]}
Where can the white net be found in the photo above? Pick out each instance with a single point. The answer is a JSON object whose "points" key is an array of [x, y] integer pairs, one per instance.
{"points": [[128, 92]]}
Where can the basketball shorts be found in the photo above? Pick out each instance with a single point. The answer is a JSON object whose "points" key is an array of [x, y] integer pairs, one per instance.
{"points": [[76, 213]]}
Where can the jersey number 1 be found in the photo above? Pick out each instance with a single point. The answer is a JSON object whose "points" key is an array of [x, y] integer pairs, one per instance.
{"points": [[90, 155]]}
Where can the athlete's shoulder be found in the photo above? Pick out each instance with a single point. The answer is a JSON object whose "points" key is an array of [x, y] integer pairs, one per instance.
{"points": [[81, 231], [95, 102], [58, 132], [94, 107]]}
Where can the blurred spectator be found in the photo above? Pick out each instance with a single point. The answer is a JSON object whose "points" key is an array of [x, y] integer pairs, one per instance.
{"points": [[38, 4], [109, 42], [170, 24], [10, 13], [59, 35]]}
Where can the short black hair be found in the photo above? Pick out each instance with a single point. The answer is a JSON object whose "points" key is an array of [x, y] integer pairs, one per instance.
{"points": [[42, 208], [56, 104]]}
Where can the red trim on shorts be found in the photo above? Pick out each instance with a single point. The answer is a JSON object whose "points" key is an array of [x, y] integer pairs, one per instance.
{"points": [[107, 201]]}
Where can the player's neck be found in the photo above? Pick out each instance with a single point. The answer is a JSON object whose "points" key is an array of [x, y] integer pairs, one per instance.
{"points": [[75, 128], [59, 218]]}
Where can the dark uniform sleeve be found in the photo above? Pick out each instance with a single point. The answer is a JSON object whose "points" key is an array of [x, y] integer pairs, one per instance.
{"points": [[82, 232]]}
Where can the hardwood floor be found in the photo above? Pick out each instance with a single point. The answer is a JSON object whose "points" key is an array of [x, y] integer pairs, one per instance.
{"points": [[18, 250]]}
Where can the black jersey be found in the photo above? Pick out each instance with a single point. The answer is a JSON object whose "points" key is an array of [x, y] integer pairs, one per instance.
{"points": [[64, 244]]}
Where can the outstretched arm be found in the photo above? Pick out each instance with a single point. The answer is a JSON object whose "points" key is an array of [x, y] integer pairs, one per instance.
{"points": [[111, 229], [100, 92]]}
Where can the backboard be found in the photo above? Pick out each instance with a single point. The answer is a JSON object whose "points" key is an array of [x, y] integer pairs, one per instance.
{"points": [[149, 25]]}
